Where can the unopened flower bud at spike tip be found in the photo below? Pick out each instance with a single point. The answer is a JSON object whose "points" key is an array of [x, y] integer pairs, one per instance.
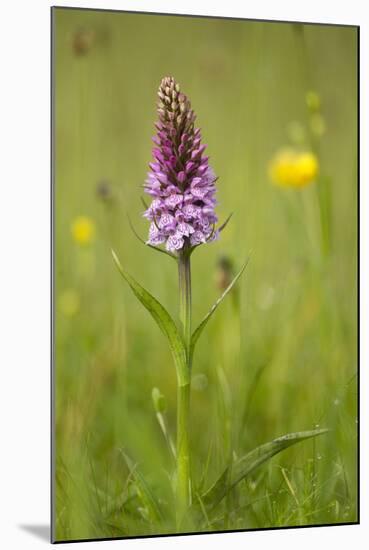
{"points": [[180, 181]]}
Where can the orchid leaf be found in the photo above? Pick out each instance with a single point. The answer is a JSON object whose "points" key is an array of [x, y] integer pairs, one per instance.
{"points": [[248, 463], [156, 248], [145, 205], [225, 223], [163, 320], [197, 333]]}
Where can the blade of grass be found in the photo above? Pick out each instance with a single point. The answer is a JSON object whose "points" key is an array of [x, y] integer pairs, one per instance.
{"points": [[144, 492]]}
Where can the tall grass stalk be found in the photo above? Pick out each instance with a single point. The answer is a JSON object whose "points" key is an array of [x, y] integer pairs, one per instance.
{"points": [[321, 201]]}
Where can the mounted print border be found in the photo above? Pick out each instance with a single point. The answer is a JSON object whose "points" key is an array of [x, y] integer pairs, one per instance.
{"points": [[231, 147]]}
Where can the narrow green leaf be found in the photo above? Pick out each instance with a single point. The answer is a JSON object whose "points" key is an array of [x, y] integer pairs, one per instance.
{"points": [[224, 224], [145, 205], [247, 464], [160, 407], [116, 504], [163, 320], [202, 325], [143, 491], [156, 248]]}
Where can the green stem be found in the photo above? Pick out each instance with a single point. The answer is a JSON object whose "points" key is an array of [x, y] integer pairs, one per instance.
{"points": [[184, 388], [322, 188], [184, 279]]}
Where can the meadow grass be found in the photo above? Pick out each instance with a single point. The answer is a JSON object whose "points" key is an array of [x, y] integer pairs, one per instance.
{"points": [[281, 354]]}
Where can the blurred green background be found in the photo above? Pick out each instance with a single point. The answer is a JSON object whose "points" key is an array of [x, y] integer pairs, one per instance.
{"points": [[281, 353]]}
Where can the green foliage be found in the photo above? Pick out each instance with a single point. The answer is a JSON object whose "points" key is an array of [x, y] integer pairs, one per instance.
{"points": [[159, 401], [247, 464], [163, 320], [150, 506], [285, 343]]}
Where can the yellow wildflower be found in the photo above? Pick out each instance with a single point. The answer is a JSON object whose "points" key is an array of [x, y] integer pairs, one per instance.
{"points": [[83, 230], [291, 168], [69, 302]]}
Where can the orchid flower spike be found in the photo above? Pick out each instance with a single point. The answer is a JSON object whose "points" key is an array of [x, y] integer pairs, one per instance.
{"points": [[180, 181]]}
